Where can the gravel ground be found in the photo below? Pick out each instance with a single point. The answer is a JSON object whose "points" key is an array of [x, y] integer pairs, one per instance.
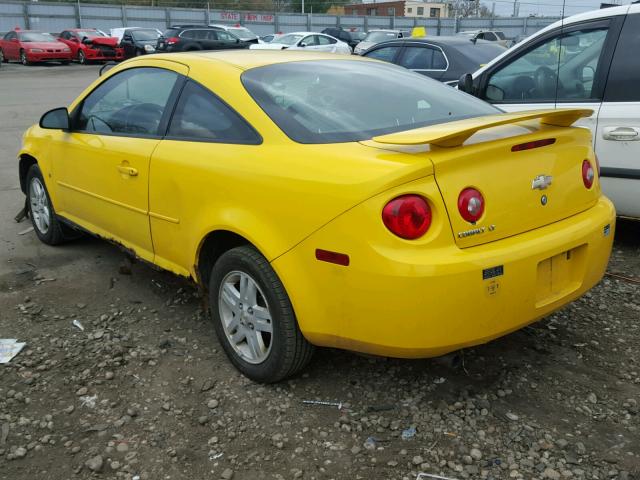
{"points": [[145, 392]]}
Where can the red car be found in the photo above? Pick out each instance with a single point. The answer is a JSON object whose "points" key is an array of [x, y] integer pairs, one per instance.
{"points": [[29, 46], [89, 44]]}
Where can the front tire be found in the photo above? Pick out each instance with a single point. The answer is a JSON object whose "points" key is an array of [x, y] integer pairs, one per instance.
{"points": [[43, 217], [82, 58], [23, 58], [254, 319], [2, 57]]}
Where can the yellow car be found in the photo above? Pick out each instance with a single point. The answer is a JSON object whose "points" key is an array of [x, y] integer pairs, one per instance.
{"points": [[325, 201]]}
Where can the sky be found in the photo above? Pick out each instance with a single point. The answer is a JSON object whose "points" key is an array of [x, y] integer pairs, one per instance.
{"points": [[551, 8]]}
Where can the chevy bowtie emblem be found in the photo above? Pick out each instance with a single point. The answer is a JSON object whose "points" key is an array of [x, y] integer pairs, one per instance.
{"points": [[541, 182]]}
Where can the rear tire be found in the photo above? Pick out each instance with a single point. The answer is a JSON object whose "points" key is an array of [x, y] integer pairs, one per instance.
{"points": [[254, 319], [43, 217]]}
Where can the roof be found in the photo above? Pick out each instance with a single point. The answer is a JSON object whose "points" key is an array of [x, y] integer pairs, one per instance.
{"points": [[247, 59], [458, 40]]}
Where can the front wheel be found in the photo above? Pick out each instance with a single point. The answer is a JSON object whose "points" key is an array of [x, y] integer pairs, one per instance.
{"points": [[2, 58], [82, 58], [254, 319], [23, 58], [43, 218]]}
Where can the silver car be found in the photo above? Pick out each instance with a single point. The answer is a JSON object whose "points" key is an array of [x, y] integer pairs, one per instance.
{"points": [[377, 36]]}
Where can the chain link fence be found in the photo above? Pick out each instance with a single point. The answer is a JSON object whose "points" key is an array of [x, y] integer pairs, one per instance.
{"points": [[55, 17]]}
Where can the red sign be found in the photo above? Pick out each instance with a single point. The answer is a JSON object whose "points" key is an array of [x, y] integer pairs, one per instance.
{"points": [[248, 17]]}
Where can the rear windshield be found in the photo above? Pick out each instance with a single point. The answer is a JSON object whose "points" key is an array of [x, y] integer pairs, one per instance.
{"points": [[172, 32], [36, 37], [315, 102], [145, 34], [242, 33], [380, 36]]}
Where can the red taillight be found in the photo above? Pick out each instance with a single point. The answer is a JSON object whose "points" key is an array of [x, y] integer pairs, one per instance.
{"points": [[587, 173], [471, 204], [172, 40], [535, 144], [408, 216]]}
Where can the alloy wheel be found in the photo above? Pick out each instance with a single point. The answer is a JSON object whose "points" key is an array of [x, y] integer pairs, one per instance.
{"points": [[23, 58], [39, 203], [245, 316], [82, 59]]}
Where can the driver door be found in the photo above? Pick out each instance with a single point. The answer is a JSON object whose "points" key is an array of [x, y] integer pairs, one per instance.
{"points": [[102, 165], [564, 69]]}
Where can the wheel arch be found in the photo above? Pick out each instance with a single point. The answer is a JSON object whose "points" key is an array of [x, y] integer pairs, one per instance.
{"points": [[26, 161], [211, 248]]}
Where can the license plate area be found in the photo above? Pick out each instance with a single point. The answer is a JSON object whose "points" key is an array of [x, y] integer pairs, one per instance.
{"points": [[559, 275]]}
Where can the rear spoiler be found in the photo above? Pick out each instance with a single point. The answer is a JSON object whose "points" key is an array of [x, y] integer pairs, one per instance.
{"points": [[454, 134]]}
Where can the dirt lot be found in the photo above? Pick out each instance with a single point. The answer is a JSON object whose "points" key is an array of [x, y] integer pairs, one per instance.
{"points": [[145, 392]]}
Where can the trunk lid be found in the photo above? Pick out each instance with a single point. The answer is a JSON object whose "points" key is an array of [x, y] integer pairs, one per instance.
{"points": [[522, 190]]}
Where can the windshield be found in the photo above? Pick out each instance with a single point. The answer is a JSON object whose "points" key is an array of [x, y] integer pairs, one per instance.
{"points": [[500, 35], [315, 102], [242, 33], [380, 36], [145, 34], [288, 39], [89, 33], [36, 37]]}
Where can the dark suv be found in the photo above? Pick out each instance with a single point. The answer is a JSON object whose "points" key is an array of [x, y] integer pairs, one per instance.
{"points": [[186, 38]]}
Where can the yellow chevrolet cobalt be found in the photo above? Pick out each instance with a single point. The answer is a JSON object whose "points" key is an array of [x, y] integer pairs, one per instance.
{"points": [[325, 201]]}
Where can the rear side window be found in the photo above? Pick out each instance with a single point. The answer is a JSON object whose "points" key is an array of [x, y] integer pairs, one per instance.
{"points": [[131, 103], [623, 84], [200, 115], [385, 53], [423, 58]]}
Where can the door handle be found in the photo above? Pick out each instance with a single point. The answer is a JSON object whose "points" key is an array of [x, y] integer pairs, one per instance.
{"points": [[132, 172], [621, 134]]}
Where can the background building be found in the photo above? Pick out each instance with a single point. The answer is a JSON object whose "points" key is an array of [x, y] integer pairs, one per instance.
{"points": [[404, 8]]}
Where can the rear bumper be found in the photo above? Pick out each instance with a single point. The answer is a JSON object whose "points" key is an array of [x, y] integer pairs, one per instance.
{"points": [[412, 303]]}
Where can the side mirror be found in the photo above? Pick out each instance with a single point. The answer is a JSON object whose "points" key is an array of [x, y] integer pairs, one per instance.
{"points": [[127, 38], [237, 40], [302, 45], [56, 119], [73, 39], [465, 84], [86, 40]]}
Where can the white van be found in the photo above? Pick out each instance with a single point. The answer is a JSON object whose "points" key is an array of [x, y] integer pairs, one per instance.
{"points": [[591, 60]]}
